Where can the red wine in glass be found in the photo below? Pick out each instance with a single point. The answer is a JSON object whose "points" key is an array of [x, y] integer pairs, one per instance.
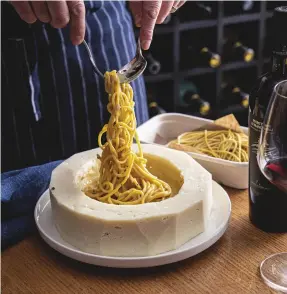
{"points": [[276, 172]]}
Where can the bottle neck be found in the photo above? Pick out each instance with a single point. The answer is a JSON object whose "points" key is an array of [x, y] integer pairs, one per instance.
{"points": [[279, 64]]}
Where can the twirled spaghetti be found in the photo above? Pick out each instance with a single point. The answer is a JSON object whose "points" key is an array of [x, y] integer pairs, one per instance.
{"points": [[224, 144], [123, 176]]}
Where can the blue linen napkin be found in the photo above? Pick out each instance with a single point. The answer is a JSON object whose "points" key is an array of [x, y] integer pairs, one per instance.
{"points": [[20, 190]]}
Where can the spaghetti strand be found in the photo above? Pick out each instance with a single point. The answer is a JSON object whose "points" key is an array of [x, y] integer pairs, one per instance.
{"points": [[123, 176]]}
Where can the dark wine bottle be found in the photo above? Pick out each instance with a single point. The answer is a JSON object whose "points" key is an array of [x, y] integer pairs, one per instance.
{"points": [[247, 5], [205, 11], [209, 58], [242, 52], [191, 99], [153, 107], [238, 7], [268, 204], [197, 10], [153, 65], [233, 95], [271, 5], [234, 49], [201, 56]]}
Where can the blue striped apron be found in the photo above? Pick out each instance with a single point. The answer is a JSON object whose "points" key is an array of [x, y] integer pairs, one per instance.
{"points": [[53, 104]]}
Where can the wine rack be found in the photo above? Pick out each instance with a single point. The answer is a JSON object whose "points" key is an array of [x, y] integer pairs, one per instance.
{"points": [[257, 20]]}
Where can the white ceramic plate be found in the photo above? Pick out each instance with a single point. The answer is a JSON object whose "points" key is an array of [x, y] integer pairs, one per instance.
{"points": [[217, 225]]}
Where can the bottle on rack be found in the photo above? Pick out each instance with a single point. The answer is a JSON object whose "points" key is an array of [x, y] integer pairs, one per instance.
{"points": [[200, 56], [233, 95], [247, 5], [271, 5], [153, 65], [242, 52], [235, 50], [237, 7], [153, 107], [267, 204], [205, 11], [196, 10], [190, 99]]}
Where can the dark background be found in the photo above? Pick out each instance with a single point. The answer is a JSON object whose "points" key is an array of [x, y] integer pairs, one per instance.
{"points": [[246, 21]]}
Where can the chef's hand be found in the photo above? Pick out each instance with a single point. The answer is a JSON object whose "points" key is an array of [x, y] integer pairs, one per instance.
{"points": [[148, 13], [57, 13]]}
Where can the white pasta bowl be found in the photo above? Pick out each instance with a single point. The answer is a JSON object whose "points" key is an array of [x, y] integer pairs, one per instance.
{"points": [[163, 128]]}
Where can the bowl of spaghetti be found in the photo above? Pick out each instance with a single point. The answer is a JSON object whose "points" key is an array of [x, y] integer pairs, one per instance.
{"points": [[219, 146]]}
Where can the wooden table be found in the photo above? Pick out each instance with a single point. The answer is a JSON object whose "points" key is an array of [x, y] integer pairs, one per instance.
{"points": [[229, 266]]}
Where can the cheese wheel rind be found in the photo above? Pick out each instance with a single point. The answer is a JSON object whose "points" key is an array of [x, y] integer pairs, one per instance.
{"points": [[130, 230]]}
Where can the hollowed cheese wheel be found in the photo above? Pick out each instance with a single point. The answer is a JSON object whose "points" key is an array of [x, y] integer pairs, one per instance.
{"points": [[130, 230]]}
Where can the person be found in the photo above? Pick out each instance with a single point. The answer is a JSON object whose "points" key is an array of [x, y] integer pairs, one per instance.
{"points": [[53, 104]]}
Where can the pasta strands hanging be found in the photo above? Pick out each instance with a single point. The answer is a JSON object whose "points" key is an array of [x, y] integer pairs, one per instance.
{"points": [[124, 178]]}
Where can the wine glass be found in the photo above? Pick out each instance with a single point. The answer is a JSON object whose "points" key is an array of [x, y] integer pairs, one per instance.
{"points": [[272, 161], [272, 149]]}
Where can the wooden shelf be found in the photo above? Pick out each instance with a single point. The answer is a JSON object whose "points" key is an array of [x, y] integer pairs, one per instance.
{"points": [[238, 65], [200, 71], [198, 24], [158, 78]]}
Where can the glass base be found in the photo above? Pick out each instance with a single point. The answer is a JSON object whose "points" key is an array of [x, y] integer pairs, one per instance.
{"points": [[273, 270]]}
